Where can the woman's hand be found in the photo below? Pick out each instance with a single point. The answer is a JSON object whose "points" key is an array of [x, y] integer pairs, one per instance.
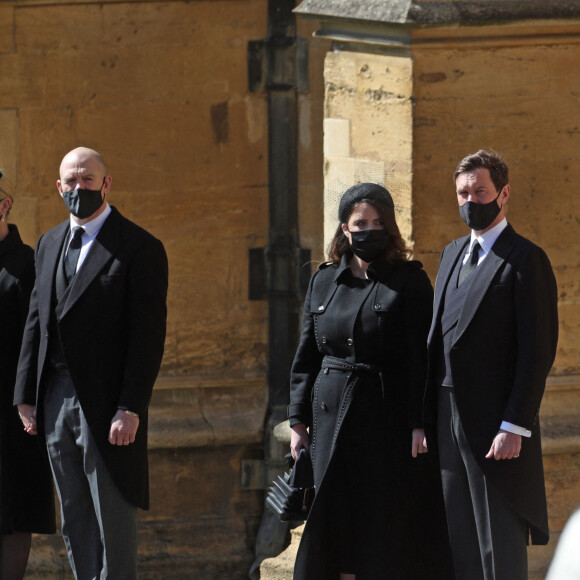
{"points": [[298, 439], [418, 442]]}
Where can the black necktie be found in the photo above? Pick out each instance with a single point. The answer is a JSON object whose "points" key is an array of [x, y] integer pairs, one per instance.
{"points": [[471, 263], [72, 256]]}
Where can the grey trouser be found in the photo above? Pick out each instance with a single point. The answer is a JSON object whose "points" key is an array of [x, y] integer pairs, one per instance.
{"points": [[99, 525], [488, 538]]}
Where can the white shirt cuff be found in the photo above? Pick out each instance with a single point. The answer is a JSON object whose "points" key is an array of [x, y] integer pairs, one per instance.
{"points": [[515, 429]]}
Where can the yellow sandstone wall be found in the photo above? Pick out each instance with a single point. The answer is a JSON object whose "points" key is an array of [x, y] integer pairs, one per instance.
{"points": [[160, 89]]}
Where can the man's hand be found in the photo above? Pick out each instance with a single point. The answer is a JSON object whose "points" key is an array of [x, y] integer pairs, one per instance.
{"points": [[505, 445], [28, 417], [123, 428], [418, 442]]}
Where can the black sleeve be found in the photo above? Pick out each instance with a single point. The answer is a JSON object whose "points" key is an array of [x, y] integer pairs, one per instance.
{"points": [[305, 367], [418, 304], [536, 307], [147, 297], [25, 387]]}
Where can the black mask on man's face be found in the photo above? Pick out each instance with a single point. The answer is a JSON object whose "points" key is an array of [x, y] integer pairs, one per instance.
{"points": [[83, 203], [369, 245], [479, 216]]}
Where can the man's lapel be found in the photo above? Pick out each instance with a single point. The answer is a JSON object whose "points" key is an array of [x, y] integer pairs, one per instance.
{"points": [[101, 252], [483, 275], [51, 247]]}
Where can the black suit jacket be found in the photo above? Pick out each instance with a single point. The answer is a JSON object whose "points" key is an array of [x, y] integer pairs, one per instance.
{"points": [[112, 330], [503, 348]]}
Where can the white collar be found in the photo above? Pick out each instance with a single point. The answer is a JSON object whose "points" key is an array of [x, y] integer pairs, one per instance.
{"points": [[93, 227], [488, 239]]}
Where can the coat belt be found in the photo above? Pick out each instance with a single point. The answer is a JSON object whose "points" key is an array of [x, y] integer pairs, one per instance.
{"points": [[341, 364]]}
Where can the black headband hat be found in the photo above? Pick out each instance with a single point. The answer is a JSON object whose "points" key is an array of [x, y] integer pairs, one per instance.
{"points": [[360, 191]]}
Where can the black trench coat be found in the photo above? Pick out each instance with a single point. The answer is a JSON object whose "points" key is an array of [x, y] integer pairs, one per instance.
{"points": [[26, 493], [357, 382]]}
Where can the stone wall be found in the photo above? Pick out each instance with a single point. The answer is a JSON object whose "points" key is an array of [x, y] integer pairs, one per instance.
{"points": [[160, 89]]}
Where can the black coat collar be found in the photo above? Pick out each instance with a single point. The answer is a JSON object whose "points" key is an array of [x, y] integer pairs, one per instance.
{"points": [[379, 270], [11, 241]]}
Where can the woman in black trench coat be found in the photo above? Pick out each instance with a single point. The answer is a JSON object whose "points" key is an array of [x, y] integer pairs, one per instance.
{"points": [[26, 493], [356, 385]]}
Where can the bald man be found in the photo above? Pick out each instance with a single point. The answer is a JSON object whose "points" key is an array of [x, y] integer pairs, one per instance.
{"points": [[91, 352]]}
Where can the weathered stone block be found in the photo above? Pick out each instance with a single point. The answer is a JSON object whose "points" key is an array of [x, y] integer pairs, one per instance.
{"points": [[566, 263], [6, 28], [23, 215], [568, 355], [9, 140], [336, 138], [282, 567]]}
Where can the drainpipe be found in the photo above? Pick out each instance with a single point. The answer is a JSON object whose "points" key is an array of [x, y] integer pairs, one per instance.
{"points": [[277, 68]]}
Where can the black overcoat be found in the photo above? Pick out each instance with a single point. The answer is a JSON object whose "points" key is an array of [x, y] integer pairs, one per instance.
{"points": [[503, 349], [26, 492], [112, 330], [357, 382]]}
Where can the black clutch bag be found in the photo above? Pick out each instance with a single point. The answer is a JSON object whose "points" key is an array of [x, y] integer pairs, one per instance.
{"points": [[290, 496]]}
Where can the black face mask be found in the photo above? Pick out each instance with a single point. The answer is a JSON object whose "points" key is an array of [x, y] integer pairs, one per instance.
{"points": [[83, 203], [478, 216], [369, 245]]}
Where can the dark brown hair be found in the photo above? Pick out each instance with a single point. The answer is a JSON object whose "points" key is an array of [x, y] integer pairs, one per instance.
{"points": [[498, 169], [397, 250]]}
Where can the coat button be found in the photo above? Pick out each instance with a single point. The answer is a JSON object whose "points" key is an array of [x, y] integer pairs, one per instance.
{"points": [[378, 306], [349, 341], [321, 307], [326, 370], [324, 340], [323, 406]]}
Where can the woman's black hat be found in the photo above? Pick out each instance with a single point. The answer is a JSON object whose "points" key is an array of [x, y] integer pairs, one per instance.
{"points": [[360, 191]]}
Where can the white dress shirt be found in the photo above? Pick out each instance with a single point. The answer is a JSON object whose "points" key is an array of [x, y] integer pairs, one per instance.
{"points": [[91, 228], [486, 241]]}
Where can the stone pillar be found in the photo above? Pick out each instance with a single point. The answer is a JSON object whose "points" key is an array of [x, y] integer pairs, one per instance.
{"points": [[368, 128]]}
